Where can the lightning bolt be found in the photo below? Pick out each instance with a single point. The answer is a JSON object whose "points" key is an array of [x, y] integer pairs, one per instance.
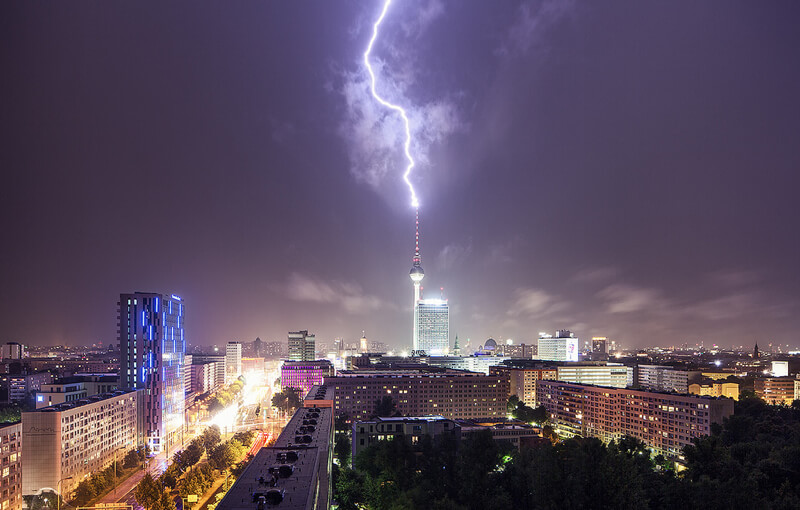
{"points": [[387, 104]]}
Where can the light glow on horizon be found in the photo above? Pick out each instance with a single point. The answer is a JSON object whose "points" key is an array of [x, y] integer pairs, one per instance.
{"points": [[387, 104]]}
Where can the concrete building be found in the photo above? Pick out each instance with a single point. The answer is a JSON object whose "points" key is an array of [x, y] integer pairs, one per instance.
{"points": [[561, 347], [73, 440], [665, 422], [233, 360], [302, 346], [22, 388], [292, 474], [305, 374], [12, 350], [74, 388], [662, 378], [412, 429], [11, 462], [775, 390], [513, 433], [206, 376], [522, 380], [152, 348], [219, 365], [421, 392], [607, 374], [715, 389]]}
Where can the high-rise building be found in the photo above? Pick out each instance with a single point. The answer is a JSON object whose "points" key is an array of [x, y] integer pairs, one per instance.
{"points": [[662, 378], [302, 346], [233, 360], [152, 348], [600, 344], [433, 327], [561, 347]]}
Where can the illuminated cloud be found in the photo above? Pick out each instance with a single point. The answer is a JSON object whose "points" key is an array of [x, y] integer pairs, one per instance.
{"points": [[348, 295], [621, 298]]}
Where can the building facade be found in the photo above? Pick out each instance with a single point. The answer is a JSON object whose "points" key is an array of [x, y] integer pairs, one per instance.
{"points": [[412, 429], [664, 422], [448, 393], [561, 347], [11, 465], [152, 350], [12, 350], [522, 381], [662, 378], [716, 389], [775, 390], [302, 346], [432, 319], [65, 443], [305, 374], [233, 360], [610, 374]]}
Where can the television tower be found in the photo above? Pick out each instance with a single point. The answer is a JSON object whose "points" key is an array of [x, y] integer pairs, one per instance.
{"points": [[416, 274]]}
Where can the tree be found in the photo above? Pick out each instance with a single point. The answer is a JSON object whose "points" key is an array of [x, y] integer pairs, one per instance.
{"points": [[342, 423], [211, 437], [287, 400], [147, 492], [131, 459], [222, 456], [513, 402], [342, 449], [384, 407]]}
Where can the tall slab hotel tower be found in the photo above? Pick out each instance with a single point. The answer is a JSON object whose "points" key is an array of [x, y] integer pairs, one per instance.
{"points": [[431, 333], [152, 346]]}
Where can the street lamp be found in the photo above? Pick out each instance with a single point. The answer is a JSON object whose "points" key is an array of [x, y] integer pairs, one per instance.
{"points": [[58, 492]]}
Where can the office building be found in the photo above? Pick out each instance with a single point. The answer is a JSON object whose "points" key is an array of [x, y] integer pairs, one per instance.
{"points": [[665, 422], [11, 462], [716, 389], [294, 473], [600, 345], [780, 369], [205, 377], [421, 392], [12, 350], [561, 347], [233, 360], [775, 390], [662, 378], [433, 327], [64, 443], [302, 346], [152, 348], [305, 374]]}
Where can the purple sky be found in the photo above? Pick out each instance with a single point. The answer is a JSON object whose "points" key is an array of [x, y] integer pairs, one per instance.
{"points": [[625, 169]]}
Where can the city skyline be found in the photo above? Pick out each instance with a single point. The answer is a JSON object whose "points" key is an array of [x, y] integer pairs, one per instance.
{"points": [[568, 179]]}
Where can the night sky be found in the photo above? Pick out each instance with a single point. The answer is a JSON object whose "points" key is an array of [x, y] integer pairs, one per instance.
{"points": [[626, 169]]}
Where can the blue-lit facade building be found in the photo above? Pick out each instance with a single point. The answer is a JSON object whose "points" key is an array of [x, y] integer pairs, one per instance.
{"points": [[152, 346]]}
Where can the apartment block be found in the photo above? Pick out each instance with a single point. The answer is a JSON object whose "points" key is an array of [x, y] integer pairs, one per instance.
{"points": [[662, 378], [775, 390], [11, 465], [522, 381], [305, 374], [665, 422], [448, 393], [68, 442]]}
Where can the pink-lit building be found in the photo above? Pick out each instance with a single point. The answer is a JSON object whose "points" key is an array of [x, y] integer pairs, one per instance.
{"points": [[305, 374]]}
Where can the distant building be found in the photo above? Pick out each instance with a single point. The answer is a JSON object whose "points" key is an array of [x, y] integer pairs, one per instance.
{"points": [[219, 365], [305, 374], [520, 351], [152, 347], [206, 377], [433, 326], [662, 378], [664, 422], [65, 443], [716, 389], [74, 388], [233, 360], [302, 346], [615, 375], [600, 344], [12, 350], [412, 429], [21, 388], [780, 369], [522, 380], [421, 392], [561, 347], [775, 390]]}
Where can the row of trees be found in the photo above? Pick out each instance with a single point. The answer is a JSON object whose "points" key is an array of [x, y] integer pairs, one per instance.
{"points": [[185, 476], [751, 461], [102, 481], [225, 397], [523, 412]]}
